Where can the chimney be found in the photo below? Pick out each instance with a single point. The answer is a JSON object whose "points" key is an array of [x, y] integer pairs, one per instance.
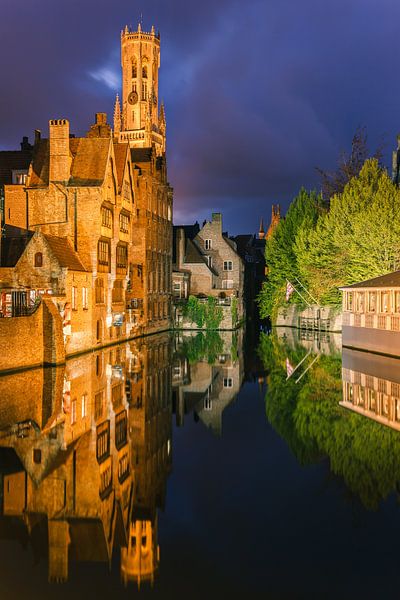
{"points": [[38, 135], [59, 150], [216, 219], [180, 247], [25, 145], [101, 118]]}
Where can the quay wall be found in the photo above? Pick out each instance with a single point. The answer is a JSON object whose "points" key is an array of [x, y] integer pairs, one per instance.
{"points": [[32, 341], [290, 316]]}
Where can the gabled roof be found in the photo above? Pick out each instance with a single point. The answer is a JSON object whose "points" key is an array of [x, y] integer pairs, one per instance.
{"points": [[64, 252], [383, 281], [120, 152], [88, 167], [193, 254]]}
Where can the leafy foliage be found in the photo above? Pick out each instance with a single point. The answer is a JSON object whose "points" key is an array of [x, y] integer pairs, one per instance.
{"points": [[205, 314], [308, 416], [202, 346], [280, 251]]}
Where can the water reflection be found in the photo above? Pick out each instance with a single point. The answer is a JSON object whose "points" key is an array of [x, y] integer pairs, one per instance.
{"points": [[311, 413], [86, 449]]}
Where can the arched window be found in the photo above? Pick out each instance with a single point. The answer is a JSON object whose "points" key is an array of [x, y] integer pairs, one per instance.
{"points": [[38, 259], [134, 69], [144, 71]]}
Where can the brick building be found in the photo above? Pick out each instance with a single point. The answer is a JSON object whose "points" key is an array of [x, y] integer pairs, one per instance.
{"points": [[206, 263], [101, 207]]}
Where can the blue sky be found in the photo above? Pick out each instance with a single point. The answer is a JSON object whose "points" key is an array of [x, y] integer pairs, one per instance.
{"points": [[257, 94]]}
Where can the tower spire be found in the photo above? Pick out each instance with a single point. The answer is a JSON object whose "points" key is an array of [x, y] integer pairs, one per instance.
{"points": [[117, 117], [261, 233]]}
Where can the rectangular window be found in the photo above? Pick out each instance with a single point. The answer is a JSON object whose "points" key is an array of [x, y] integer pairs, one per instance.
{"points": [[73, 411], [360, 297], [84, 406], [385, 302], [103, 251], [176, 289], [118, 291], [74, 298], [372, 302], [103, 441], [228, 266], [99, 291], [227, 284], [124, 223], [121, 429], [122, 256], [144, 91], [106, 217], [397, 301], [85, 304], [209, 261], [228, 382], [208, 244], [349, 301], [127, 191]]}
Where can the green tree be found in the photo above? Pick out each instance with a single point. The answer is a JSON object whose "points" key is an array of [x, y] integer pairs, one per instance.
{"points": [[357, 239], [280, 252]]}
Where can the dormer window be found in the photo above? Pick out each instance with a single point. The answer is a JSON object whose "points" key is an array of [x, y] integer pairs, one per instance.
{"points": [[38, 259]]}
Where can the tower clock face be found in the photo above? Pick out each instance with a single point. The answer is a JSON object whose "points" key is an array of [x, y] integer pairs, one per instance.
{"points": [[133, 97]]}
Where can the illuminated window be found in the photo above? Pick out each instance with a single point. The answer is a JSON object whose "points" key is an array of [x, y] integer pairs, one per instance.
{"points": [[85, 303], [122, 256], [103, 252], [74, 298], [84, 406], [106, 217], [38, 259], [124, 223]]}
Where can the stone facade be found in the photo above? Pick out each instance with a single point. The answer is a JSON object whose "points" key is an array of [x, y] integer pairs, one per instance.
{"points": [[207, 264]]}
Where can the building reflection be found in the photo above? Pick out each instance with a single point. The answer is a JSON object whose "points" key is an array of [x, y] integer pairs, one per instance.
{"points": [[207, 375], [85, 453], [371, 386]]}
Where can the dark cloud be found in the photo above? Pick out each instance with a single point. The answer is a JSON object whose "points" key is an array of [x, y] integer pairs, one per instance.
{"points": [[257, 93]]}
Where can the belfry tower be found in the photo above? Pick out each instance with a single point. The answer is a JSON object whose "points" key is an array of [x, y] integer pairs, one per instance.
{"points": [[141, 121]]}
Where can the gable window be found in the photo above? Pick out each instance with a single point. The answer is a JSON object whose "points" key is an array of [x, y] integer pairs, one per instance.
{"points": [[208, 244], [228, 266], [124, 223], [106, 217], [228, 382], [38, 259]]}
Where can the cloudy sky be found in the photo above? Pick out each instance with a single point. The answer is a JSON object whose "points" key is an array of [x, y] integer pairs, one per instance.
{"points": [[257, 93]]}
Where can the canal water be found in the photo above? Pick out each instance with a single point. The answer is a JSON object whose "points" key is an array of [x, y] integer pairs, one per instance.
{"points": [[203, 465]]}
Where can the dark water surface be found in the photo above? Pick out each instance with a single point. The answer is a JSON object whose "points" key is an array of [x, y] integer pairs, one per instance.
{"points": [[203, 467]]}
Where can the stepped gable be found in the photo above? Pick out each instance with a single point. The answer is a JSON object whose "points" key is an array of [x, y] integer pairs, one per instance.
{"points": [[64, 253]]}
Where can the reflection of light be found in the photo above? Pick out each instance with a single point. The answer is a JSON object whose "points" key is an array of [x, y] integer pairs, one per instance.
{"points": [[109, 320]]}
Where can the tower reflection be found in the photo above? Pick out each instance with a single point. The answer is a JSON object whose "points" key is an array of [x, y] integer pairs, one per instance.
{"points": [[86, 449]]}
